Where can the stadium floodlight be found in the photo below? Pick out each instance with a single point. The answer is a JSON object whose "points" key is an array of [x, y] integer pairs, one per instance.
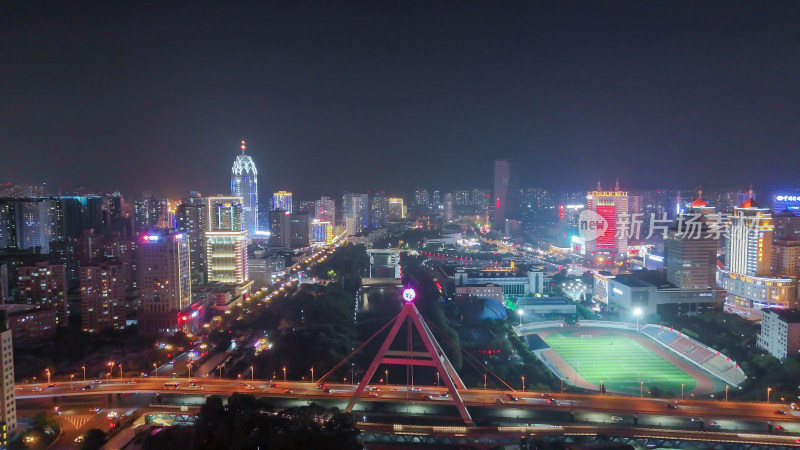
{"points": [[637, 312], [520, 312]]}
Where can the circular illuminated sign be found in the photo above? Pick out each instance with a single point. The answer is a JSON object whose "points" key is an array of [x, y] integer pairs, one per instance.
{"points": [[409, 295]]}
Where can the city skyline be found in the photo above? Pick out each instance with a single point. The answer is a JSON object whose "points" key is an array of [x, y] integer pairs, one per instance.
{"points": [[388, 94]]}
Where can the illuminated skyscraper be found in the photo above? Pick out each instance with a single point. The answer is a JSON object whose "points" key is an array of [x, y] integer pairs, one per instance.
{"points": [[611, 206], [226, 241], [397, 209], [325, 210], [191, 219], [164, 280], [749, 248], [244, 184], [282, 200]]}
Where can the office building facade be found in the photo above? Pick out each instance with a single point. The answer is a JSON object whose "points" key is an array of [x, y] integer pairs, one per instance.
{"points": [[244, 184], [164, 280]]}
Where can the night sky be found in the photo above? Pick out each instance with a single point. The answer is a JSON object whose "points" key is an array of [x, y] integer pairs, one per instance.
{"points": [[398, 95]]}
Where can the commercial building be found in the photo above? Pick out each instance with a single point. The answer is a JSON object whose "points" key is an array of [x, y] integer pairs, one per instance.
{"points": [[650, 292], [264, 269], [325, 210], [282, 200], [44, 284], [422, 198], [502, 178], [611, 206], [244, 184], [102, 298], [747, 275], [780, 332], [300, 229], [786, 201], [514, 281], [690, 250], [226, 241], [786, 224], [321, 232], [397, 209], [487, 290], [164, 280], [191, 219], [280, 228]]}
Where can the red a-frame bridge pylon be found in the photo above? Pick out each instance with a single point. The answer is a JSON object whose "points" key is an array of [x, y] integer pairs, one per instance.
{"points": [[433, 356]]}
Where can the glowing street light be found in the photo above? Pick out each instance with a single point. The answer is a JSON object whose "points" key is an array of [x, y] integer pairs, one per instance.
{"points": [[637, 312], [682, 391], [84, 372], [409, 295], [252, 374], [769, 389], [155, 366], [47, 371], [520, 312], [312, 374], [189, 367], [71, 379], [523, 383], [284, 374]]}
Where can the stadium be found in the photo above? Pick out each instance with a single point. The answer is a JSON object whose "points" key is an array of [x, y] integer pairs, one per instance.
{"points": [[627, 361]]}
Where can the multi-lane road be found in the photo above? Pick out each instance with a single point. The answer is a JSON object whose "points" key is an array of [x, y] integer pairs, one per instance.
{"points": [[603, 407]]}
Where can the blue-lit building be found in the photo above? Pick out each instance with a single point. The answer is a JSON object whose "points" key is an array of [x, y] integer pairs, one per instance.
{"points": [[244, 184]]}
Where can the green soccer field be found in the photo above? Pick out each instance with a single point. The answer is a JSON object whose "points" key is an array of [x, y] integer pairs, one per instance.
{"points": [[620, 363]]}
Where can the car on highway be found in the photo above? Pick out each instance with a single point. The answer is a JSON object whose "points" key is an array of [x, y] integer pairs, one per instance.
{"points": [[781, 412], [778, 429], [714, 425], [617, 419], [87, 387], [696, 419], [546, 395], [97, 410], [372, 394], [498, 400], [37, 389], [51, 386], [671, 406], [288, 391], [552, 402], [679, 402], [445, 395]]}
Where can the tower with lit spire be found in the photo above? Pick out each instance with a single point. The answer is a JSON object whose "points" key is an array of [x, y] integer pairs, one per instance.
{"points": [[244, 184]]}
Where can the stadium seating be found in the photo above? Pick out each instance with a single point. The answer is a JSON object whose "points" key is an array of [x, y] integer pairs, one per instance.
{"points": [[707, 358]]}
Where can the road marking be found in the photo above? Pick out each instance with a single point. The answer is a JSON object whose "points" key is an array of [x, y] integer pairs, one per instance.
{"points": [[78, 421]]}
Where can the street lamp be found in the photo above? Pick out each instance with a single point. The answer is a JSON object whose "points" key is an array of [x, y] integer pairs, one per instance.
{"points": [[637, 312], [682, 391], [284, 374], [220, 371], [84, 372], [641, 389], [437, 379], [71, 379], [155, 366], [312, 375], [252, 374], [189, 367], [47, 371], [520, 312], [726, 393], [523, 383], [120, 371], [769, 389], [386, 372]]}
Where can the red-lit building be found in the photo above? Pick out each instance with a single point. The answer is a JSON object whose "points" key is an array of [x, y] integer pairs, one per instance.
{"points": [[612, 206]]}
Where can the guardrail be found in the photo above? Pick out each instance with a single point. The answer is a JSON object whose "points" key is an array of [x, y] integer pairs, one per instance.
{"points": [[607, 324]]}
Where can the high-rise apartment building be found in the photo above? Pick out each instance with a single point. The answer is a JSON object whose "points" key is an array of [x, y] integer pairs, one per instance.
{"points": [[611, 206], [150, 211], [786, 257], [164, 280], [191, 218], [325, 210], [44, 284], [282, 200], [321, 232], [502, 178], [8, 401], [378, 210], [102, 297], [448, 207], [355, 212], [226, 240], [244, 184], [422, 198]]}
